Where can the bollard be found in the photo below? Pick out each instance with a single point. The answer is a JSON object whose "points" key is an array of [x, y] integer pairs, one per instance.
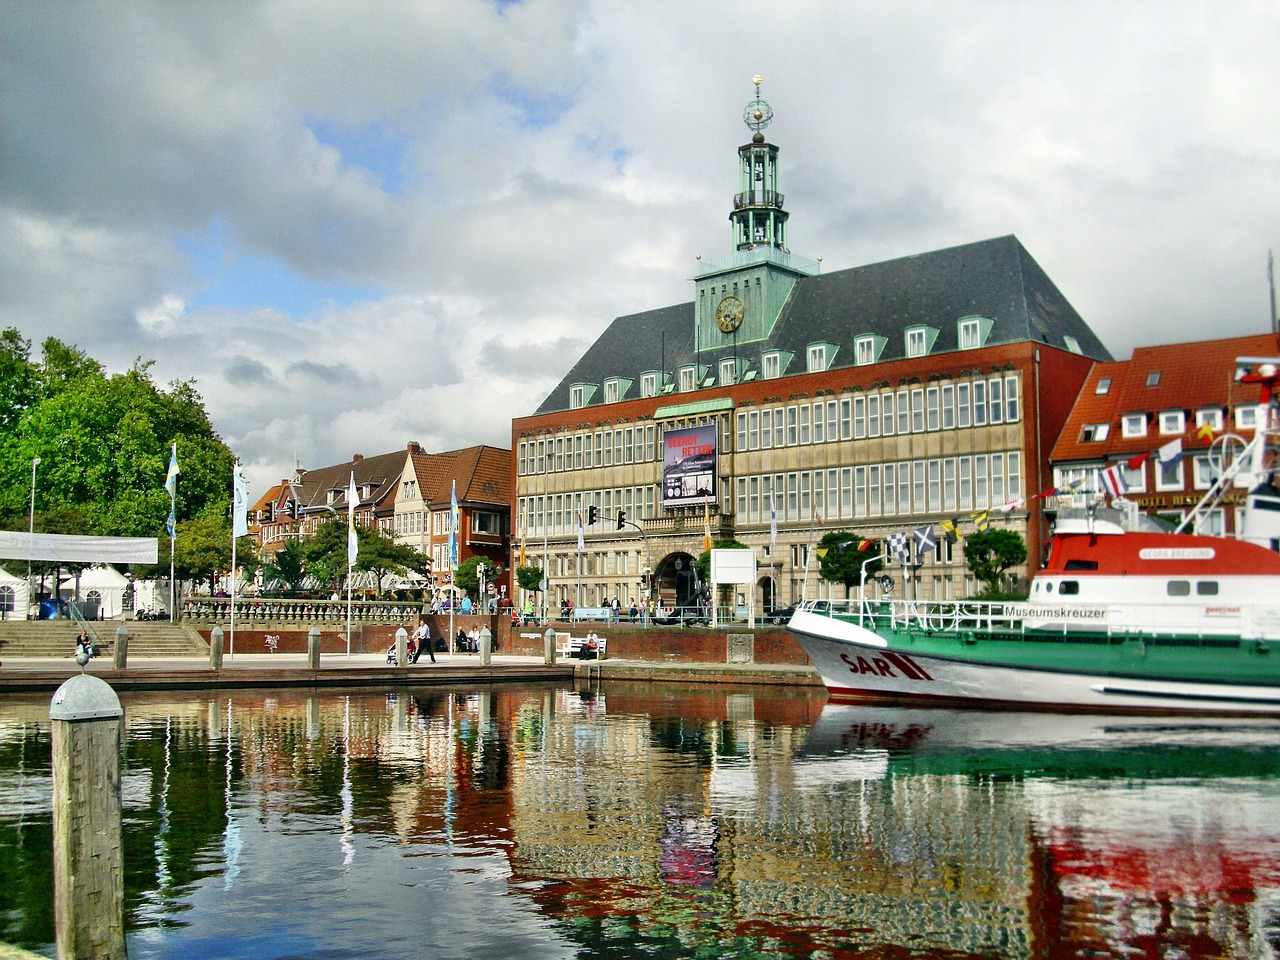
{"points": [[87, 729], [313, 648], [485, 643], [120, 655], [402, 647], [549, 650], [215, 648]]}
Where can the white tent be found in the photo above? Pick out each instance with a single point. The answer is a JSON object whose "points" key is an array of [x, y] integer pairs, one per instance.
{"points": [[101, 591], [13, 596]]}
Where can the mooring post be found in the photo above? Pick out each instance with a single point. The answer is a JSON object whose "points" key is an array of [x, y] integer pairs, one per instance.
{"points": [[120, 655], [215, 648], [486, 646], [402, 647], [313, 648], [549, 650], [87, 729]]}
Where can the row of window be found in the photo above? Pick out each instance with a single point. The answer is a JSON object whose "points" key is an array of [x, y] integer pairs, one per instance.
{"points": [[949, 406], [585, 451], [1164, 476], [559, 514], [941, 484], [971, 333], [1171, 423]]}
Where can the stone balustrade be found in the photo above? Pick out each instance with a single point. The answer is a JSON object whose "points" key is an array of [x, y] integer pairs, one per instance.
{"points": [[275, 610]]}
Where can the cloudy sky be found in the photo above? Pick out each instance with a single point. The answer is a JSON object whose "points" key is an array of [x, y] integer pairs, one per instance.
{"points": [[356, 224]]}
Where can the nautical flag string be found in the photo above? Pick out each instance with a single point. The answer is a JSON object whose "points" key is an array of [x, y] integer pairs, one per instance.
{"points": [[899, 546], [951, 529], [1171, 452], [981, 519], [926, 540], [1113, 480]]}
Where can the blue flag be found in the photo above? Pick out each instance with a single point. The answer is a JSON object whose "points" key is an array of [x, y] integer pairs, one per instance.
{"points": [[171, 479]]}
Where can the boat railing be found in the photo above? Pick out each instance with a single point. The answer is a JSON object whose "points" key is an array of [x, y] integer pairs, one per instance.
{"points": [[972, 619]]}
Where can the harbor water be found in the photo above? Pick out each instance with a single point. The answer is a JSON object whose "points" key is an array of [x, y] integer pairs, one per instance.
{"points": [[660, 820]]}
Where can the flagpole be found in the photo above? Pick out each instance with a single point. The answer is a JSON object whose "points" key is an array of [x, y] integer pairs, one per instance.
{"points": [[804, 587]]}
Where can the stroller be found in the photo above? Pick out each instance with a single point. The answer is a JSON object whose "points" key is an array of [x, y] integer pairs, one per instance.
{"points": [[391, 654]]}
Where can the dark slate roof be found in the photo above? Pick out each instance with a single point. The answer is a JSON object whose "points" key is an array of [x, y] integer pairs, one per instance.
{"points": [[996, 279]]}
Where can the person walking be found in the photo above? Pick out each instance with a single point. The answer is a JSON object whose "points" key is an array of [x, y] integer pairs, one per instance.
{"points": [[423, 636]]}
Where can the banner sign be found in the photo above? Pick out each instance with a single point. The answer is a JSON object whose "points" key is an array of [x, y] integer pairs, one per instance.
{"points": [[689, 466]]}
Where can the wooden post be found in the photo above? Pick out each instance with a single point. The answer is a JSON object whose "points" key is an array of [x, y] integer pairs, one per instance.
{"points": [[87, 727], [120, 655]]}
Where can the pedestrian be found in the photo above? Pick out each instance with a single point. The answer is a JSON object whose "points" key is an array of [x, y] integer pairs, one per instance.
{"points": [[635, 612], [466, 605], [423, 636]]}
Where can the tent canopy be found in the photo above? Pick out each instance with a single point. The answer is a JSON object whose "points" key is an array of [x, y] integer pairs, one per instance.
{"points": [[72, 548]]}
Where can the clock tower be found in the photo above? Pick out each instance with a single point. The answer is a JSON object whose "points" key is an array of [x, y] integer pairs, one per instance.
{"points": [[739, 297]]}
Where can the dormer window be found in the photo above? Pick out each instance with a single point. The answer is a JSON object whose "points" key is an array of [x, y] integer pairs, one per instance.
{"points": [[1212, 417], [817, 357], [867, 349], [648, 385], [771, 365], [1172, 422], [917, 344], [1094, 432], [611, 391], [728, 371], [1072, 344], [688, 379], [1134, 425], [576, 393], [970, 333]]}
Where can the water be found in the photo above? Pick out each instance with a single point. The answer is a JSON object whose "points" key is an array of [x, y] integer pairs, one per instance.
{"points": [[661, 821]]}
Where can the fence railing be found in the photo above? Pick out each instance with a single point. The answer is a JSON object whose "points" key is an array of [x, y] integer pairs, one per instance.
{"points": [[260, 609]]}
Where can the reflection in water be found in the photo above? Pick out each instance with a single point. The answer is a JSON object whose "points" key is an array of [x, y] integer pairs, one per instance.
{"points": [[635, 821]]}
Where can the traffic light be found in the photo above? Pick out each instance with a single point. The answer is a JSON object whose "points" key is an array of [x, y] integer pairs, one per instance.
{"points": [[592, 515], [292, 509], [622, 518]]}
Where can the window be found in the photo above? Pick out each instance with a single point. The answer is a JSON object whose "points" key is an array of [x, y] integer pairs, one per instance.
{"points": [[1207, 588], [728, 371], [1172, 422], [917, 411], [687, 379], [1134, 425], [1212, 417], [980, 403], [1178, 588], [931, 403], [1011, 400], [1169, 475], [917, 342], [486, 523], [1103, 387], [1153, 378], [948, 407], [886, 404], [1094, 432], [864, 350], [7, 600], [771, 366], [1203, 474], [817, 357], [1247, 418], [970, 334], [649, 385], [611, 391], [962, 405], [575, 397], [1072, 344]]}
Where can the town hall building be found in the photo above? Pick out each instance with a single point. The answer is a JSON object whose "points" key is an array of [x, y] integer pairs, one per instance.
{"points": [[781, 403]]}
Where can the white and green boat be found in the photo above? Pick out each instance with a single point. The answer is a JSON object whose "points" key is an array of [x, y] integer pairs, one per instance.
{"points": [[1125, 616]]}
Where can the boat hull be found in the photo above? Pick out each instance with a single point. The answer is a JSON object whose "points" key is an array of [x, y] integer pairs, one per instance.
{"points": [[860, 664]]}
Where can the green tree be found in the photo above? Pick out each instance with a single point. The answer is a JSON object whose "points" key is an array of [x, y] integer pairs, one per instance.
{"points": [[103, 442], [989, 553], [467, 578], [286, 567], [840, 560], [529, 578], [325, 553], [382, 556], [203, 552]]}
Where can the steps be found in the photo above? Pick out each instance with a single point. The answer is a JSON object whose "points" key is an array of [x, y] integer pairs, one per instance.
{"points": [[57, 638]]}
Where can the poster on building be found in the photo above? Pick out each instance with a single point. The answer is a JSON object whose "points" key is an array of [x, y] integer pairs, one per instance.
{"points": [[689, 466]]}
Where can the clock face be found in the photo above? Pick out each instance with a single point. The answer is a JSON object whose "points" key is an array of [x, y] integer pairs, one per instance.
{"points": [[729, 314]]}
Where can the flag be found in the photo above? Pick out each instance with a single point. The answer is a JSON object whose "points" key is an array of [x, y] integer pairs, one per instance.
{"points": [[453, 527], [950, 530], [866, 544], [171, 525], [1171, 452], [1011, 505], [773, 519], [239, 503], [1113, 480], [926, 540], [353, 543], [1206, 431], [900, 546], [706, 526], [171, 480], [582, 543], [1134, 462], [521, 563], [981, 520]]}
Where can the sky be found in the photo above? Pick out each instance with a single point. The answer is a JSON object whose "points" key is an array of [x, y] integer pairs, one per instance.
{"points": [[363, 223]]}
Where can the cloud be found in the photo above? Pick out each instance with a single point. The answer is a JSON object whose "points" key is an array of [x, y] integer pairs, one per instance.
{"points": [[360, 224]]}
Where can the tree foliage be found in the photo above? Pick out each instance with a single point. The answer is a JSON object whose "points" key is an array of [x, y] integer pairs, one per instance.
{"points": [[529, 578], [103, 442], [840, 560], [989, 553]]}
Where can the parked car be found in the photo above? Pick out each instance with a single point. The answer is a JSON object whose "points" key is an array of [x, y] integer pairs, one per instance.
{"points": [[781, 615]]}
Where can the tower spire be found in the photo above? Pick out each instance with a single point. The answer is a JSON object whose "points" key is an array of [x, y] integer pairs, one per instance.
{"points": [[758, 218]]}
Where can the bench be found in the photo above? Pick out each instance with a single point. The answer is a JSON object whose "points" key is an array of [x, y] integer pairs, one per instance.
{"points": [[569, 646], [592, 613]]}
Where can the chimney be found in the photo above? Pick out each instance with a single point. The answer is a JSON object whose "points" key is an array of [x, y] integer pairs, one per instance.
{"points": [[414, 446], [357, 457]]}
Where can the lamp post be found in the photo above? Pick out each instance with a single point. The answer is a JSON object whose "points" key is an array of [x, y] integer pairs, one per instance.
{"points": [[31, 528]]}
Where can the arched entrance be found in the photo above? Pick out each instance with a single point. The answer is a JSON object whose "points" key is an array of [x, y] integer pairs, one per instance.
{"points": [[676, 582], [767, 591]]}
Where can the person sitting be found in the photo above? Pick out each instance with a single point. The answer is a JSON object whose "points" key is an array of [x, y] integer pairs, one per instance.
{"points": [[590, 649], [461, 642]]}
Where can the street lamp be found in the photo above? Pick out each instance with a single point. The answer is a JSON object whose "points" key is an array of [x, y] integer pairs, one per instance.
{"points": [[31, 528]]}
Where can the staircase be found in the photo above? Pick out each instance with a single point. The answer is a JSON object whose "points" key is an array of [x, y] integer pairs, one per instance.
{"points": [[57, 638]]}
